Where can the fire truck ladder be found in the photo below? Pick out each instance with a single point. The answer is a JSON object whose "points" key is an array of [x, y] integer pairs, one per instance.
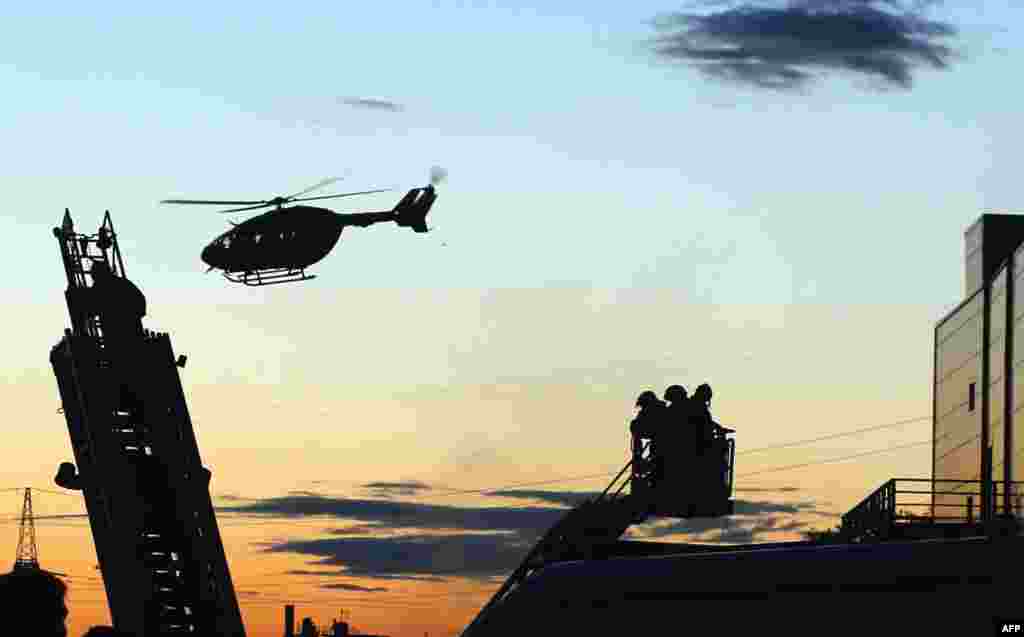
{"points": [[161, 545], [593, 523], [590, 529]]}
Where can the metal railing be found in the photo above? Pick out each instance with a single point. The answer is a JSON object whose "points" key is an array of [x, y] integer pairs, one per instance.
{"points": [[902, 501]]}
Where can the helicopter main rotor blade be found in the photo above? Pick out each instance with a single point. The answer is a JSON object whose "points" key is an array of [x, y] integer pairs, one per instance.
{"points": [[262, 205], [315, 187], [345, 194], [214, 203]]}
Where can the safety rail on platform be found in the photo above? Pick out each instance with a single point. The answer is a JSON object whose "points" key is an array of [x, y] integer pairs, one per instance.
{"points": [[923, 501]]}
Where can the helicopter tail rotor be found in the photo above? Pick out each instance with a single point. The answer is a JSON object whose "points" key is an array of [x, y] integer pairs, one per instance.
{"points": [[437, 175], [411, 211]]}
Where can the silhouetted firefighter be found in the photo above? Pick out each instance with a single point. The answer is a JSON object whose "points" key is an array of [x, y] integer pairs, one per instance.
{"points": [[120, 306], [708, 431], [649, 425], [686, 446], [679, 430]]}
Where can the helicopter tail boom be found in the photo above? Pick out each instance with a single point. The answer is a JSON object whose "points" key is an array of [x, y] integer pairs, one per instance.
{"points": [[411, 211]]}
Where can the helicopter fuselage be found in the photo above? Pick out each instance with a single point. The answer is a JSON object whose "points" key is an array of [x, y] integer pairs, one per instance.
{"points": [[294, 238]]}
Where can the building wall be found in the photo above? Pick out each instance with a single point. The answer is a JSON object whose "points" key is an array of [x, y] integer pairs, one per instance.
{"points": [[959, 432], [958, 397], [996, 371], [973, 270], [1016, 377]]}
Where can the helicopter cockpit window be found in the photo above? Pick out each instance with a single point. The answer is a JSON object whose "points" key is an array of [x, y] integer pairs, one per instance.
{"points": [[256, 238], [225, 242]]}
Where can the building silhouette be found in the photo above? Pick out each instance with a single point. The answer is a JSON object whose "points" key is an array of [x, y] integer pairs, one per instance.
{"points": [[979, 347], [339, 629], [138, 464], [309, 628], [289, 620]]}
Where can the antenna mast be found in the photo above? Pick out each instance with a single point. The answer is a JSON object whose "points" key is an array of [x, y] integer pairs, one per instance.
{"points": [[28, 556]]}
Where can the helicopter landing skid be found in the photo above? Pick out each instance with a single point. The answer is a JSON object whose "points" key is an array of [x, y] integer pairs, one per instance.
{"points": [[269, 276]]}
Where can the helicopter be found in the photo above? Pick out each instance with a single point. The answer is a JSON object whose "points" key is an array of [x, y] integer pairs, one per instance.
{"points": [[277, 246]]}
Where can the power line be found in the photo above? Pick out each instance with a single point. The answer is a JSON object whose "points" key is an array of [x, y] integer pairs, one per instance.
{"points": [[788, 444], [958, 447], [69, 495], [454, 492], [843, 434], [449, 492], [839, 459]]}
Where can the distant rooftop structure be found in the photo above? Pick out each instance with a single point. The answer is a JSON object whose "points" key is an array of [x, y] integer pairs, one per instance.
{"points": [[988, 242]]}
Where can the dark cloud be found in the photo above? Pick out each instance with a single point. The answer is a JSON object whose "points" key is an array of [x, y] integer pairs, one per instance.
{"points": [[572, 498], [783, 48], [360, 529], [412, 578], [232, 498], [382, 516], [762, 516], [568, 498], [383, 576], [487, 542], [753, 507], [387, 515], [318, 573], [468, 555], [737, 535], [749, 534], [412, 485], [389, 489], [354, 587], [377, 105]]}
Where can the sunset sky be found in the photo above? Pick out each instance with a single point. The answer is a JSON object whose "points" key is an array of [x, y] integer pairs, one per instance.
{"points": [[613, 221]]}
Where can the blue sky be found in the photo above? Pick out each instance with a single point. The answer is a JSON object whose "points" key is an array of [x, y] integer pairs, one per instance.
{"points": [[574, 158]]}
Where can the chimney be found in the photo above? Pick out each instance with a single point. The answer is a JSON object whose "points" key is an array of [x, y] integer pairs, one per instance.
{"points": [[289, 620]]}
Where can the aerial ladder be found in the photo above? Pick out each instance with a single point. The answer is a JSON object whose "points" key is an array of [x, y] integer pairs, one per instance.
{"points": [[695, 487], [138, 465]]}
